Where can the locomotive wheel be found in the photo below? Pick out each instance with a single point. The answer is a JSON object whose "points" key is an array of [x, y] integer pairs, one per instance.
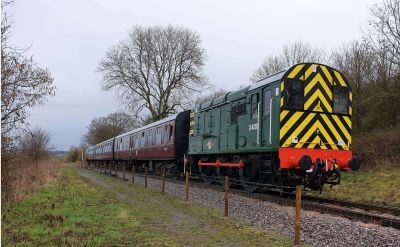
{"points": [[250, 174], [210, 174], [247, 186]]}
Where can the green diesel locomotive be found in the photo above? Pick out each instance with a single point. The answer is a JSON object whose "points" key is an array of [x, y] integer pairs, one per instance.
{"points": [[293, 127]]}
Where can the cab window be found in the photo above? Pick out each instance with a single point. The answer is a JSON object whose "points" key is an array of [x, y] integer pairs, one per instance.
{"points": [[341, 100], [267, 102], [293, 95]]}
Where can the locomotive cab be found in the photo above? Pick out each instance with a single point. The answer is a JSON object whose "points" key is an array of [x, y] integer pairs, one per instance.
{"points": [[315, 125]]}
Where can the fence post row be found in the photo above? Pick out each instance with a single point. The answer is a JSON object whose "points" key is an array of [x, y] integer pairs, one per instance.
{"points": [[298, 216]]}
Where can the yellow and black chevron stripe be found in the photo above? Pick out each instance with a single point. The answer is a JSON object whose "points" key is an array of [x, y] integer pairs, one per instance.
{"points": [[301, 129], [315, 126]]}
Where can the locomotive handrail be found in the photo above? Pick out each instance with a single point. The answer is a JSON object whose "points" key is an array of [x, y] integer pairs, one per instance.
{"points": [[270, 120], [258, 123]]}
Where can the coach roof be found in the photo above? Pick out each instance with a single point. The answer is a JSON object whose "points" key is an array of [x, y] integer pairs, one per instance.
{"points": [[165, 120]]}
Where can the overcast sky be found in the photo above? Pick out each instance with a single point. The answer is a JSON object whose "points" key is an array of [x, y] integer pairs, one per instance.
{"points": [[70, 37]]}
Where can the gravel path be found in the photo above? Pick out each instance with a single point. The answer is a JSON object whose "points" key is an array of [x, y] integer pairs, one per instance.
{"points": [[317, 229]]}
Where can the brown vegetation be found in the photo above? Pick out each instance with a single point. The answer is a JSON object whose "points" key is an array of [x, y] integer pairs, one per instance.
{"points": [[25, 162], [21, 177], [379, 147], [74, 155]]}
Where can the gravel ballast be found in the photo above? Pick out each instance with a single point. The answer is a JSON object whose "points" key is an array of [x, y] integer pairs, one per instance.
{"points": [[316, 229]]}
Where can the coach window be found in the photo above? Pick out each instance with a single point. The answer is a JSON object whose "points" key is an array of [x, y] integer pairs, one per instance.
{"points": [[254, 106], [148, 138], [158, 136], [293, 94], [267, 102], [171, 132], [142, 140], [136, 141], [165, 139], [153, 137], [341, 100]]}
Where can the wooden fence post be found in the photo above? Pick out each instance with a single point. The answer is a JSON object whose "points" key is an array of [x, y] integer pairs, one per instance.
{"points": [[226, 195], [145, 176], [298, 216], [163, 180], [187, 187]]}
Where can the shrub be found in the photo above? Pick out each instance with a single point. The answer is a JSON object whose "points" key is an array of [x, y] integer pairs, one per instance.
{"points": [[378, 147]]}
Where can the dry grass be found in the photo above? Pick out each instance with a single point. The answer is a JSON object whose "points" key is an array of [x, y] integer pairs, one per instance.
{"points": [[21, 177], [379, 147], [73, 211]]}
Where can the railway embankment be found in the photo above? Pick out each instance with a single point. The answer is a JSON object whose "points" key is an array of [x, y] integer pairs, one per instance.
{"points": [[82, 207], [317, 229], [378, 185]]}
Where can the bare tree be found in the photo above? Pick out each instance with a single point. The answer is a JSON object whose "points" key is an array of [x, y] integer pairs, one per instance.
{"points": [[23, 83], [297, 52], [156, 69], [357, 61], [36, 144], [103, 128], [384, 29], [202, 98]]}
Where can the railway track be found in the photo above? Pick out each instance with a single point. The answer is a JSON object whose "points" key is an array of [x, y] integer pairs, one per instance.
{"points": [[373, 208], [364, 212]]}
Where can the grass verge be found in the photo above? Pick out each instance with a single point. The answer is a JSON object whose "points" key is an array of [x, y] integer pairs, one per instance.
{"points": [[373, 185], [73, 211]]}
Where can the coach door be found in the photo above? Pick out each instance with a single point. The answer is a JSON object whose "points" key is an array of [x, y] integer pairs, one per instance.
{"points": [[266, 117]]}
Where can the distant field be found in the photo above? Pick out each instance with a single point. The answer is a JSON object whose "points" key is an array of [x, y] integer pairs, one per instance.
{"points": [[73, 211], [375, 185]]}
